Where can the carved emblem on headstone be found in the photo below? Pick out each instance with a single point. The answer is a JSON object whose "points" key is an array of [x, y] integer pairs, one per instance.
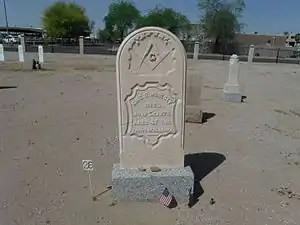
{"points": [[156, 48], [151, 112]]}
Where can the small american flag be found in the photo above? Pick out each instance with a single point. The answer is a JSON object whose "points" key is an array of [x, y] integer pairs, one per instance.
{"points": [[166, 198]]}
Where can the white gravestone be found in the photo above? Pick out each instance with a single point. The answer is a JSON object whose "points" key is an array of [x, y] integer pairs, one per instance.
{"points": [[196, 50], [151, 76], [151, 81], [21, 53], [81, 45], [1, 53], [231, 89], [41, 54], [251, 54], [23, 43]]}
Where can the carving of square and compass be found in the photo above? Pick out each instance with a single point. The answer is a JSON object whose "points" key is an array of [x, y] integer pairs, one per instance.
{"points": [[151, 50]]}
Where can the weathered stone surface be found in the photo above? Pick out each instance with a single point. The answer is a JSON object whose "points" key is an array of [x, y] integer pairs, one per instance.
{"points": [[193, 114], [135, 185], [193, 111], [151, 80]]}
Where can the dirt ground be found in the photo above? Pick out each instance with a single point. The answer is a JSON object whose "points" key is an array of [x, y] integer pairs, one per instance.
{"points": [[249, 153]]}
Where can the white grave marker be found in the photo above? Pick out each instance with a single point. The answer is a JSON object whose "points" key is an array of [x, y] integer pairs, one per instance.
{"points": [[81, 45], [21, 53], [251, 54], [196, 50], [41, 54], [1, 53], [231, 89]]}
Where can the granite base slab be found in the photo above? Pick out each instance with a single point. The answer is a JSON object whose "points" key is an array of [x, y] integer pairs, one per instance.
{"points": [[135, 185], [232, 97]]}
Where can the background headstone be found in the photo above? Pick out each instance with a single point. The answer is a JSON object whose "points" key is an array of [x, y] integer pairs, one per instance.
{"points": [[251, 54], [21, 53], [23, 43], [81, 45], [231, 89], [1, 53], [196, 50], [193, 113], [41, 54]]}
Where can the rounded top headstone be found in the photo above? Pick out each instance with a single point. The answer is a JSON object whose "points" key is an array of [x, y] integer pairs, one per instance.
{"points": [[151, 81], [234, 56]]}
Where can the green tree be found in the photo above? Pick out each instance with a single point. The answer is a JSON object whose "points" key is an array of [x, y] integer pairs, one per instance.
{"points": [[286, 33], [122, 17], [166, 18], [104, 36], [63, 19], [220, 20]]}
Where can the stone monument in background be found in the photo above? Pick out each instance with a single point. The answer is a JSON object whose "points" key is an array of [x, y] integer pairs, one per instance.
{"points": [[151, 83], [232, 90]]}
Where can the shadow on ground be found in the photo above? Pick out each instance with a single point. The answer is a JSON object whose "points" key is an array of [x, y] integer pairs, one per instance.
{"points": [[173, 204], [207, 116], [244, 97], [201, 164], [7, 87]]}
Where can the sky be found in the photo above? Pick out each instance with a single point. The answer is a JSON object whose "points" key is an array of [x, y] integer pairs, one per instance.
{"points": [[262, 16]]}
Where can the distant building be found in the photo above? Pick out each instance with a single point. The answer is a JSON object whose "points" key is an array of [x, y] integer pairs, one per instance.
{"points": [[261, 39], [26, 31], [196, 33]]}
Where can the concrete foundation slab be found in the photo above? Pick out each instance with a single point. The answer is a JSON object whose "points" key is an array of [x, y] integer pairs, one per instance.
{"points": [[232, 97], [135, 185]]}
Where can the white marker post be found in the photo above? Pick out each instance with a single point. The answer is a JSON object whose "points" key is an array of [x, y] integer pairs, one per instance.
{"points": [[251, 54], [1, 53], [232, 92], [23, 43], [88, 166], [196, 50], [41, 54], [21, 53], [81, 45]]}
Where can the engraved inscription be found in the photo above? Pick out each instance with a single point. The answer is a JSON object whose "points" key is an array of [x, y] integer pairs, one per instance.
{"points": [[148, 51], [151, 112]]}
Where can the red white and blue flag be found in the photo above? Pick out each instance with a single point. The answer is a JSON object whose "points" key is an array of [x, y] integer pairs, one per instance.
{"points": [[166, 198]]}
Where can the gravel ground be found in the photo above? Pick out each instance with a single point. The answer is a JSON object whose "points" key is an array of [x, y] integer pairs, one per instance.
{"points": [[246, 156]]}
